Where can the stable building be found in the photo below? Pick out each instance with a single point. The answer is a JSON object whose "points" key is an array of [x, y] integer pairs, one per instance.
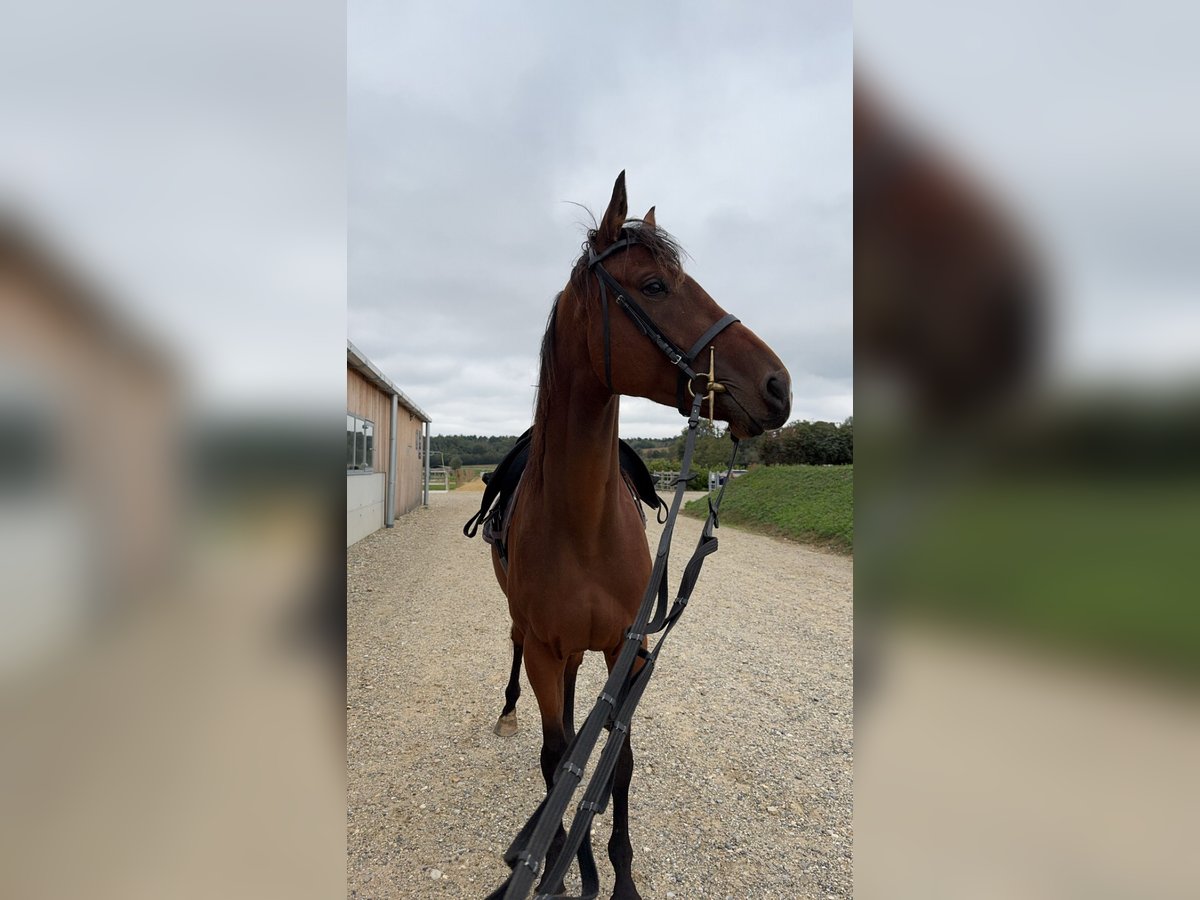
{"points": [[387, 449], [91, 462]]}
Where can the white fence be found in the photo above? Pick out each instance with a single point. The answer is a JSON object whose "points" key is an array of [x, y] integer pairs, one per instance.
{"points": [[439, 478]]}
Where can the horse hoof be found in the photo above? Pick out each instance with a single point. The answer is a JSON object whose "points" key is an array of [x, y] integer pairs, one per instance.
{"points": [[506, 726]]}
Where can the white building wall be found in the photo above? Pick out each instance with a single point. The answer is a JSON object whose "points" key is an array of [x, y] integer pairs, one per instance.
{"points": [[364, 505]]}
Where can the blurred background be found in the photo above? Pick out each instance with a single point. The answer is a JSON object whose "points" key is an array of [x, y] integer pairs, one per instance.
{"points": [[172, 328], [1028, 474]]}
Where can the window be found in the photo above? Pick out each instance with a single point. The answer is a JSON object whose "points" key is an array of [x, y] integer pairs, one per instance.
{"points": [[360, 444]]}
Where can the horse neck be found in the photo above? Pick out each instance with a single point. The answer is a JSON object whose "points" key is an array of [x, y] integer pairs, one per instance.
{"points": [[575, 456]]}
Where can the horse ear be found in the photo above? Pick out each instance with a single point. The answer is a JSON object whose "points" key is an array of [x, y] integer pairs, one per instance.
{"points": [[648, 218], [614, 216]]}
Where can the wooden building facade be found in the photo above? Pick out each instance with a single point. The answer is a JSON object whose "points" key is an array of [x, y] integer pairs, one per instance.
{"points": [[386, 449], [91, 476]]}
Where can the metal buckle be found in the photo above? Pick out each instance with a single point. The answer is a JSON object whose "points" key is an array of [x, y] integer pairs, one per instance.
{"points": [[526, 859]]}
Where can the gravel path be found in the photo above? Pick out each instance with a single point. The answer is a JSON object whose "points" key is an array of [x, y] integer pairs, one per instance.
{"points": [[743, 742]]}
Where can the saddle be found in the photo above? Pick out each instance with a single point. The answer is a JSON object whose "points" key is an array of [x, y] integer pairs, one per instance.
{"points": [[503, 482]]}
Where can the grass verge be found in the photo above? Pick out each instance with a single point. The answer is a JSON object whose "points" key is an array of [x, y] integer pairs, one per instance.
{"points": [[810, 504], [1108, 568]]}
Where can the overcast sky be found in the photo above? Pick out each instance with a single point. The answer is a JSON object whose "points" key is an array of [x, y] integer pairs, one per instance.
{"points": [[470, 129], [1072, 120], [190, 157]]}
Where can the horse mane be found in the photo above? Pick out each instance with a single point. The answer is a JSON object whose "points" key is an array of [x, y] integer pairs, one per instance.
{"points": [[545, 384]]}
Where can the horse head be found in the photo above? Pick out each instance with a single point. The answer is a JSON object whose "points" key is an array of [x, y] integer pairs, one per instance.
{"points": [[642, 310]]}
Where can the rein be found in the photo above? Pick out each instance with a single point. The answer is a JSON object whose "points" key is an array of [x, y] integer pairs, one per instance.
{"points": [[622, 691]]}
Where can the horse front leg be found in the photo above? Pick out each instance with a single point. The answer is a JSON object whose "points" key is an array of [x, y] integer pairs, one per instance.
{"points": [[546, 672], [620, 848], [547, 677]]}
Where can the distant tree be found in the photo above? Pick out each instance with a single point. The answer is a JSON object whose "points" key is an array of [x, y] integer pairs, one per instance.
{"points": [[749, 452], [456, 463], [644, 445], [712, 447], [809, 443], [473, 449], [662, 465]]}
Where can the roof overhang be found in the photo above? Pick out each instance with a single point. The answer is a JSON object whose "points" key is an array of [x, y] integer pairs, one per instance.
{"points": [[368, 370]]}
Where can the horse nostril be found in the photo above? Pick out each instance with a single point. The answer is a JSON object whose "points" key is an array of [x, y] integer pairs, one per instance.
{"points": [[778, 388], [777, 394]]}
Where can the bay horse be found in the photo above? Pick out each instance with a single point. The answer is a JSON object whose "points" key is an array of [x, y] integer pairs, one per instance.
{"points": [[948, 295], [577, 557], [950, 315]]}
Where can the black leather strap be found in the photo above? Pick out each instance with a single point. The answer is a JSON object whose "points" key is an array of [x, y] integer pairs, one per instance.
{"points": [[594, 257], [594, 260], [684, 386], [607, 342], [713, 330]]}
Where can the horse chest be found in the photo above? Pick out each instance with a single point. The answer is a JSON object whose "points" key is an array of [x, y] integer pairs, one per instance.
{"points": [[578, 597]]}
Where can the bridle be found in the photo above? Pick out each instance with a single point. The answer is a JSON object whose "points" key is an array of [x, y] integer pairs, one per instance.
{"points": [[677, 357]]}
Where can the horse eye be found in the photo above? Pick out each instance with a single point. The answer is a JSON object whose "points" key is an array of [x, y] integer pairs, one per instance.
{"points": [[654, 288]]}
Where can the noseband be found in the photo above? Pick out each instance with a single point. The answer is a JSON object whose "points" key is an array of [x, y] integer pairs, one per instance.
{"points": [[677, 357]]}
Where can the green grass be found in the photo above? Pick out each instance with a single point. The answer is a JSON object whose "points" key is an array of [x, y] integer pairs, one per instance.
{"points": [[1108, 568], [812, 504]]}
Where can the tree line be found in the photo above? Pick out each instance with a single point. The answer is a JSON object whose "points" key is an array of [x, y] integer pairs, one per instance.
{"points": [[797, 443], [809, 444], [470, 449]]}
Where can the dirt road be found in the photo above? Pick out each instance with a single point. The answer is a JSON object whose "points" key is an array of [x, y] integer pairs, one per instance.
{"points": [[743, 741]]}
